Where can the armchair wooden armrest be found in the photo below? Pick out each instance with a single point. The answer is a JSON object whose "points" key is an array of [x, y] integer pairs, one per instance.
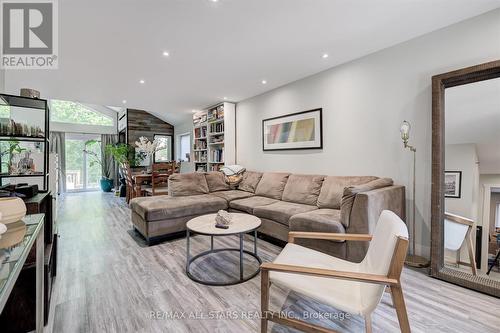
{"points": [[327, 236], [352, 276]]}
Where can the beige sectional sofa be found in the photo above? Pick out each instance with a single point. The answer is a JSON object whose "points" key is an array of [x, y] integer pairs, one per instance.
{"points": [[284, 202]]}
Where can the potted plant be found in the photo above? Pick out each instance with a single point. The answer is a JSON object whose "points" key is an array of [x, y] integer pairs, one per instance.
{"points": [[105, 182]]}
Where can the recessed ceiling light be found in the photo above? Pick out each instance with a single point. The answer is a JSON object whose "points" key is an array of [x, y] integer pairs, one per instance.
{"points": [[325, 55], [214, 0], [225, 98], [264, 82], [166, 54], [124, 101], [142, 81]]}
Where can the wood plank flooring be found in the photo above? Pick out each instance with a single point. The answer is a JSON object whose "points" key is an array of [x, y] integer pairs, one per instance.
{"points": [[109, 282]]}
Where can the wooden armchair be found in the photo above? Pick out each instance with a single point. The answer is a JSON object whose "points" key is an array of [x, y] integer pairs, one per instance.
{"points": [[350, 287], [458, 229]]}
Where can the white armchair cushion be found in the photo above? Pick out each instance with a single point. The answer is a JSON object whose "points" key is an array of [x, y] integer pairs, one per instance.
{"points": [[341, 294]]}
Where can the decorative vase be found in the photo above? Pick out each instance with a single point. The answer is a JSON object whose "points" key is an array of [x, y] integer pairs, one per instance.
{"points": [[12, 209], [106, 184]]}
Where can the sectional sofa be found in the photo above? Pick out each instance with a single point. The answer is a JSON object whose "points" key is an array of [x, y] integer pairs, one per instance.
{"points": [[283, 201]]}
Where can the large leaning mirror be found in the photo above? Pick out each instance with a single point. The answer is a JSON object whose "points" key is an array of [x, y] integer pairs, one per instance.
{"points": [[466, 177]]}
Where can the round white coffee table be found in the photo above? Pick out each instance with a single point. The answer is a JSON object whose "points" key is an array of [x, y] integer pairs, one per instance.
{"points": [[240, 225]]}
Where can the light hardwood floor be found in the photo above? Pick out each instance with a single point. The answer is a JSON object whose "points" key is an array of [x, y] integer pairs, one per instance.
{"points": [[109, 282]]}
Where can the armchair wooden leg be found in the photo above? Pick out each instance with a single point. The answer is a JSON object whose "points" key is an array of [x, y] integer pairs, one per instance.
{"points": [[368, 323], [264, 299], [399, 304], [470, 248]]}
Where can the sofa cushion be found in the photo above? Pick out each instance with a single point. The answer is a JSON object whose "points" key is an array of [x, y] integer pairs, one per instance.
{"points": [[232, 194], [332, 190], [250, 181], [303, 189], [167, 207], [350, 193], [216, 181], [281, 211], [248, 204], [320, 220], [272, 184], [183, 184]]}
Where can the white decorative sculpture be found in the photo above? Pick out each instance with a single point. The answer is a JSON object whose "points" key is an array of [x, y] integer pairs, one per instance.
{"points": [[3, 227], [222, 219], [12, 209]]}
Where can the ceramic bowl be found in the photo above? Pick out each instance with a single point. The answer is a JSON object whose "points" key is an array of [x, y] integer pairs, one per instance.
{"points": [[12, 209]]}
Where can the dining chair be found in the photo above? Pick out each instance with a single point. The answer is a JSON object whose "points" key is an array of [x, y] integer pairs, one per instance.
{"points": [[356, 288], [129, 182], [458, 229], [159, 179]]}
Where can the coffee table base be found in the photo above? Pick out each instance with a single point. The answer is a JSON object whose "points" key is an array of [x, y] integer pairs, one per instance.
{"points": [[242, 279]]}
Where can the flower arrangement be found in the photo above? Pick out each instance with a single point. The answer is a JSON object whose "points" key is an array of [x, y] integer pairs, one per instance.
{"points": [[148, 148]]}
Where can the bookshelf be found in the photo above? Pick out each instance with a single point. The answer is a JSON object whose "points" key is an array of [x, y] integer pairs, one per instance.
{"points": [[214, 137]]}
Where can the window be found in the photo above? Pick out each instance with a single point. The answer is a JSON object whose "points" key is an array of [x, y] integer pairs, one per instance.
{"points": [[81, 173], [76, 113], [185, 147], [497, 216], [165, 154]]}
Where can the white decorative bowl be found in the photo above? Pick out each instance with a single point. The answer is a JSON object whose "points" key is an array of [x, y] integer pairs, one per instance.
{"points": [[12, 209]]}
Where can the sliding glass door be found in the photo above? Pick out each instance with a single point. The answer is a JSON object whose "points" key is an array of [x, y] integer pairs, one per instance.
{"points": [[82, 174]]}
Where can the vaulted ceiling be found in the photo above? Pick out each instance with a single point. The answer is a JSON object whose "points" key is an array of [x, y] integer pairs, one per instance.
{"points": [[219, 49]]}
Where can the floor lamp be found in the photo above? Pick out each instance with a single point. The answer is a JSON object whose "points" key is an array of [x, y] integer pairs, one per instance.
{"points": [[412, 259]]}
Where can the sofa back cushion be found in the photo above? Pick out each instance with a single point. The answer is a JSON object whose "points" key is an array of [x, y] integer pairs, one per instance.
{"points": [[350, 194], [332, 190], [183, 184], [303, 189], [272, 184], [250, 181], [216, 181]]}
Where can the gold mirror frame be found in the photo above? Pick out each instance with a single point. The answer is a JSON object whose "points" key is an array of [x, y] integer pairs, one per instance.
{"points": [[486, 71]]}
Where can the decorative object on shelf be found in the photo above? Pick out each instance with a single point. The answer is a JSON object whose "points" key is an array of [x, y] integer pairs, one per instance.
{"points": [[149, 148], [12, 209], [30, 93], [26, 166], [301, 130], [412, 259], [453, 184], [222, 219], [233, 174]]}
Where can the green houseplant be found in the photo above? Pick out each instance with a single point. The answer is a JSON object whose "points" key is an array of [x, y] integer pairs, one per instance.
{"points": [[105, 182]]}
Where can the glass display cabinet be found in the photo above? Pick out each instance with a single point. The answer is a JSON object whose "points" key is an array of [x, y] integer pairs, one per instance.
{"points": [[24, 138]]}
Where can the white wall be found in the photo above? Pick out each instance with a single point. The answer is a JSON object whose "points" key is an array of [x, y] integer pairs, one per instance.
{"points": [[2, 81], [364, 103], [464, 158], [185, 126]]}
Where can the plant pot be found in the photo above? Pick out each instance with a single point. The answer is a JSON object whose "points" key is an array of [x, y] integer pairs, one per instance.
{"points": [[106, 184], [12, 209]]}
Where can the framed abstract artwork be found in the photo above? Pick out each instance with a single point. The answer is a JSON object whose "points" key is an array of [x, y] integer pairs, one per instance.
{"points": [[301, 130], [452, 184]]}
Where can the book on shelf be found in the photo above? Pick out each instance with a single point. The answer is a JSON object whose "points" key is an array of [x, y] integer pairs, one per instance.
{"points": [[217, 127], [217, 155], [200, 132]]}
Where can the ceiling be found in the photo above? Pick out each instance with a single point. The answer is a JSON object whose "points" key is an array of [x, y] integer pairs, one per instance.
{"points": [[219, 49], [472, 115]]}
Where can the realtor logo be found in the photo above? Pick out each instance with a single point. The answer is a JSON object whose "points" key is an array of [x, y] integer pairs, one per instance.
{"points": [[29, 34]]}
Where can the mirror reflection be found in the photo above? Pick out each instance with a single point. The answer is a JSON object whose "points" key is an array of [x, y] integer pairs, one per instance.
{"points": [[472, 178]]}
